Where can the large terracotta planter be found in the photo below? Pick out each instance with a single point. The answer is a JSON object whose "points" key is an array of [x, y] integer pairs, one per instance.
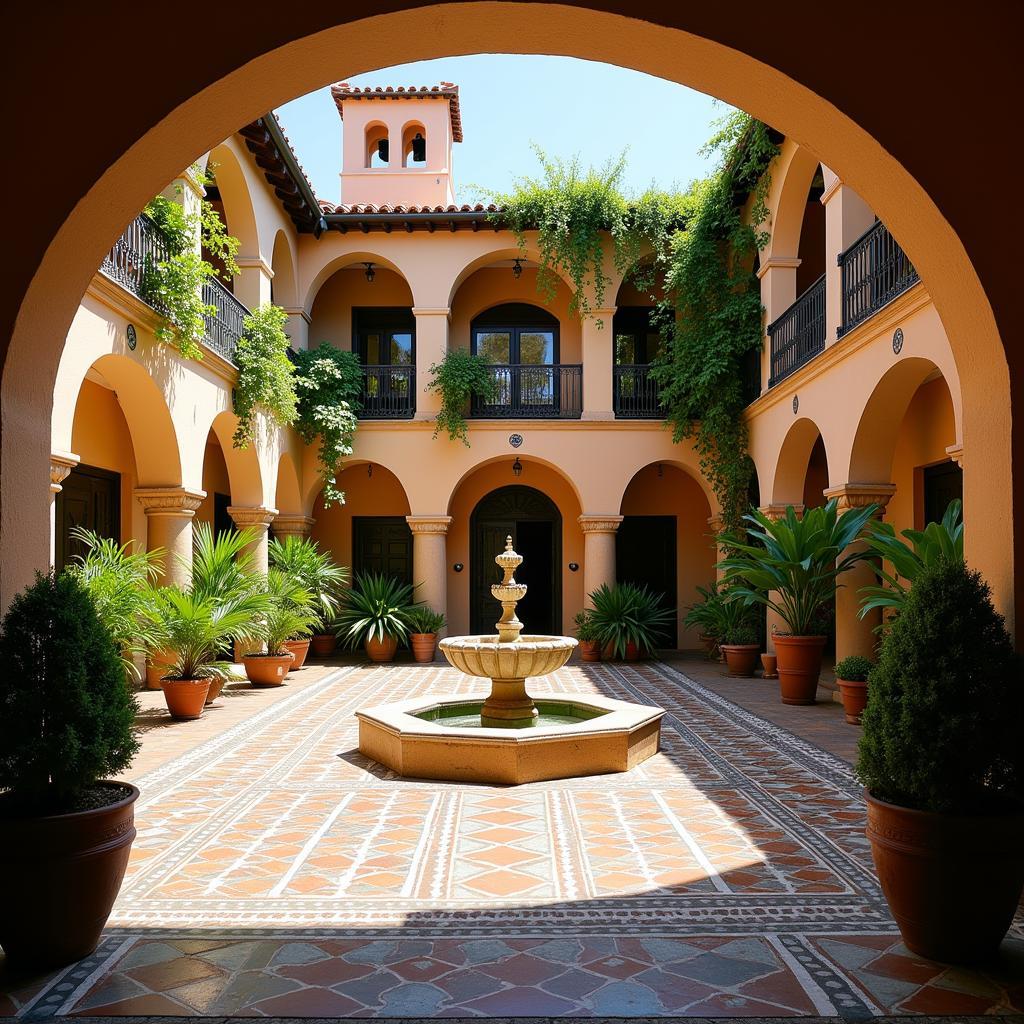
{"points": [[423, 646], [216, 685], [590, 650], [158, 664], [952, 883], [741, 659], [62, 873], [267, 669], [185, 697], [855, 698], [299, 649], [799, 666], [324, 644], [381, 650]]}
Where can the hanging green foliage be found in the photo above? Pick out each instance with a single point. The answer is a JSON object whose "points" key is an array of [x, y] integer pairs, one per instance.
{"points": [[266, 379], [174, 286], [458, 378], [329, 384]]}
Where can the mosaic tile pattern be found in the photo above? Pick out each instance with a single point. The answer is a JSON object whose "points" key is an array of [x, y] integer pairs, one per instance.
{"points": [[279, 872]]}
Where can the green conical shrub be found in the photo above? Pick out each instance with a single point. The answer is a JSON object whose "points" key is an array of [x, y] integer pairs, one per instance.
{"points": [[66, 712], [943, 727]]}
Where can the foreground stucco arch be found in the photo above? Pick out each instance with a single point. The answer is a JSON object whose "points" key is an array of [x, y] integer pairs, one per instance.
{"points": [[344, 261], [193, 120]]}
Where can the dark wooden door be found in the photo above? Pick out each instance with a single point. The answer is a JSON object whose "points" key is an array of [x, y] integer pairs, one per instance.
{"points": [[645, 553], [382, 544], [89, 497], [942, 484]]}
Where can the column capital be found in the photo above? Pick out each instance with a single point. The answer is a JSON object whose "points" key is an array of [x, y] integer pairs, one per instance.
{"points": [[778, 263], [431, 311], [287, 524], [715, 524], [832, 186], [854, 495], [298, 311], [61, 463], [956, 453], [429, 524], [599, 524], [169, 501], [777, 510], [252, 515], [257, 262]]}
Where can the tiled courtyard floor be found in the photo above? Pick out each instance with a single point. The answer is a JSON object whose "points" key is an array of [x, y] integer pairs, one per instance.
{"points": [[277, 872]]}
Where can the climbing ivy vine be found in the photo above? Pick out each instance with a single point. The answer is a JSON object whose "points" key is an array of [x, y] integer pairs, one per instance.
{"points": [[266, 379], [458, 378]]}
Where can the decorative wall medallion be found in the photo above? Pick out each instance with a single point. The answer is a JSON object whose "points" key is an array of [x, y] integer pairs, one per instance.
{"points": [[796, 404], [897, 341], [516, 440], [133, 338]]}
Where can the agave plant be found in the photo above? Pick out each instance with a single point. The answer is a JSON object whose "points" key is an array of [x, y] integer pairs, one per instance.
{"points": [[793, 564], [377, 607], [927, 547], [118, 579], [290, 613], [302, 560], [424, 620], [626, 614]]}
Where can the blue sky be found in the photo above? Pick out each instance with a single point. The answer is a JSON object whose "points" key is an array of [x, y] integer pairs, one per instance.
{"points": [[564, 105]]}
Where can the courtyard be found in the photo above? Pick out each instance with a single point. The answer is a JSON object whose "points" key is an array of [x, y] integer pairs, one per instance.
{"points": [[278, 872]]}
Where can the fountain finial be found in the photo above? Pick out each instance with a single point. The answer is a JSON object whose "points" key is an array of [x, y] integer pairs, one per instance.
{"points": [[509, 593]]}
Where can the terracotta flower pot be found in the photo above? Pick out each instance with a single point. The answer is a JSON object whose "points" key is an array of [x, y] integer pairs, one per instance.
{"points": [[799, 666], [590, 650], [216, 685], [324, 644], [299, 650], [267, 669], [768, 666], [185, 697], [925, 862], [632, 651], [158, 664], [63, 874], [855, 698], [741, 659], [381, 650], [423, 646]]}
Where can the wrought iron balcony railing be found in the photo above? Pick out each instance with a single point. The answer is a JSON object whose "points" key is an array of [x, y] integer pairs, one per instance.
{"points": [[874, 271], [224, 328], [389, 393], [533, 392], [636, 395], [799, 334]]}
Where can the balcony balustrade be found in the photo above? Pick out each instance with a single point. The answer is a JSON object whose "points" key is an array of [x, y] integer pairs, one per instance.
{"points": [[798, 335], [636, 395], [389, 393], [527, 391], [874, 271]]}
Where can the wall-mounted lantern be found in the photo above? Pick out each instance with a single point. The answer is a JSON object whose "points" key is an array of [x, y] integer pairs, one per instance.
{"points": [[517, 269], [370, 272], [517, 468]]}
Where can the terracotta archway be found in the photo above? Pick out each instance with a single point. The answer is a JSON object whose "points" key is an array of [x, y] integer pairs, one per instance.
{"points": [[779, 72]]}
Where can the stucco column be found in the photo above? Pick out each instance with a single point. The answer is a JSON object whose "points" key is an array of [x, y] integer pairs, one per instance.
{"points": [[855, 635], [252, 284], [61, 464], [431, 346], [287, 524], [778, 293], [297, 328], [169, 513], [598, 552], [847, 217], [256, 518], [598, 346], [430, 560], [773, 621]]}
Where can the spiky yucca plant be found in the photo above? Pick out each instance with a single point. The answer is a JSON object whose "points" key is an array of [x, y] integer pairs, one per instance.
{"points": [[377, 607]]}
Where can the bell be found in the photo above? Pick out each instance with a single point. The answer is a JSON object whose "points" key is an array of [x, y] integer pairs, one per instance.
{"points": [[382, 149], [419, 148]]}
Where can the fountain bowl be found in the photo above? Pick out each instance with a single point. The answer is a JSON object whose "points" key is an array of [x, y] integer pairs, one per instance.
{"points": [[528, 656]]}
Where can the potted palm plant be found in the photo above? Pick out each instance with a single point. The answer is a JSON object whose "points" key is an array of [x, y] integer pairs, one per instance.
{"points": [[316, 571], [288, 616], [424, 625], [739, 636], [706, 615], [66, 715], [376, 615], [792, 565], [586, 634], [942, 763], [628, 619], [852, 679]]}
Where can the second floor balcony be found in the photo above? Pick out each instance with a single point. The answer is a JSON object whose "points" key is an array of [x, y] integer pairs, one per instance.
{"points": [[799, 334], [874, 271], [635, 394], [389, 392], [532, 391]]}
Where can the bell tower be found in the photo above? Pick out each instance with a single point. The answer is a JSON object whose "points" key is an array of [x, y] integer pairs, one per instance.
{"points": [[397, 144]]}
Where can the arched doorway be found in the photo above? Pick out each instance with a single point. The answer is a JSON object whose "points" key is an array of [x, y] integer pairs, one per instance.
{"points": [[533, 521]]}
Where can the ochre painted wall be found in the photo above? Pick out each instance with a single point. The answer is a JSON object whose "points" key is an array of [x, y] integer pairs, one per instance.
{"points": [[215, 478], [331, 318], [817, 476], [675, 493]]}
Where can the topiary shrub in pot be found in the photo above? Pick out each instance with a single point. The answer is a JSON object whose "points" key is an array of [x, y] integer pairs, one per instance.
{"points": [[424, 625], [852, 680], [942, 762], [587, 635], [66, 716]]}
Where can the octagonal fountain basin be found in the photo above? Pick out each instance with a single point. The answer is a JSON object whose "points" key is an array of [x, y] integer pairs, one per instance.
{"points": [[431, 738]]}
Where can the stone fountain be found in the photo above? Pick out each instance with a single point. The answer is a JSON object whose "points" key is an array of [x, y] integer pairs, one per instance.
{"points": [[509, 736]]}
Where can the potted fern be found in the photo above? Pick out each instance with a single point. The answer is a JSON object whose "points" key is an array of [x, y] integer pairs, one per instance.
{"points": [[66, 716], [792, 565], [942, 763], [289, 615], [376, 616], [587, 635], [424, 625], [852, 679]]}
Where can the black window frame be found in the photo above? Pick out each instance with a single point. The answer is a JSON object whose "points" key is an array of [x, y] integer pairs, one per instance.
{"points": [[381, 320], [516, 319]]}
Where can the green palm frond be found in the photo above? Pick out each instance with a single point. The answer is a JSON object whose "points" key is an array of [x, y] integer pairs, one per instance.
{"points": [[301, 559]]}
